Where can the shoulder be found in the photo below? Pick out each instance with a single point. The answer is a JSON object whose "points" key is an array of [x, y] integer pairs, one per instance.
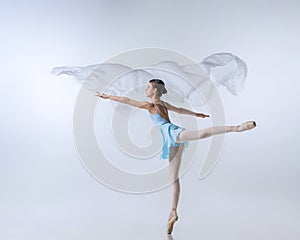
{"points": [[146, 105], [167, 105], [171, 107], [139, 104]]}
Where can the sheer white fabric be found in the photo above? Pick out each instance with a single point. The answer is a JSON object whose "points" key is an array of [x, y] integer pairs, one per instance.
{"points": [[183, 82]]}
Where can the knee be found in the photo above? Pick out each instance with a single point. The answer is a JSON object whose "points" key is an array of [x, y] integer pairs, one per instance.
{"points": [[179, 138], [173, 177]]}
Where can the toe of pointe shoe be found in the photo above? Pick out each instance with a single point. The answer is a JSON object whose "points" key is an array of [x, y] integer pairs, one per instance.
{"points": [[247, 126], [170, 228], [253, 125], [170, 225]]}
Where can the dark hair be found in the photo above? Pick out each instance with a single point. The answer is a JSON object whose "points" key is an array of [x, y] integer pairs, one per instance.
{"points": [[159, 85]]}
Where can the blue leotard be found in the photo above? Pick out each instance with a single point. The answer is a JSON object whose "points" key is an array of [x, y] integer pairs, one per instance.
{"points": [[169, 133]]}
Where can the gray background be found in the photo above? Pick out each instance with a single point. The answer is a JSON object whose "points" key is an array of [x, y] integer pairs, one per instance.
{"points": [[46, 192]]}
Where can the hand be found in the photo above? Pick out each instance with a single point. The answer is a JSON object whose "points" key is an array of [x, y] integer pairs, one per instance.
{"points": [[202, 115], [102, 95]]}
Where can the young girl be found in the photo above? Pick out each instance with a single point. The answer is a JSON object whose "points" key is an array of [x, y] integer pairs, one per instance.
{"points": [[175, 138]]}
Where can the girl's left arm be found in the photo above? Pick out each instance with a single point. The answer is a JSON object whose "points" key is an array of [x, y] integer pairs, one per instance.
{"points": [[181, 110], [188, 112]]}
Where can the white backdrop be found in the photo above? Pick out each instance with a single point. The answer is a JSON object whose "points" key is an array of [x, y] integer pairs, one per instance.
{"points": [[46, 192]]}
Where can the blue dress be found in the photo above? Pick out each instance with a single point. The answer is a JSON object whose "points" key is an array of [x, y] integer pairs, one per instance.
{"points": [[169, 133]]}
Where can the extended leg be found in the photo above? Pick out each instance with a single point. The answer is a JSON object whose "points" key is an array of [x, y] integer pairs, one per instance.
{"points": [[188, 135]]}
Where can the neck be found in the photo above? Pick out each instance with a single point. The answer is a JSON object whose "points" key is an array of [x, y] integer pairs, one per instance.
{"points": [[156, 99]]}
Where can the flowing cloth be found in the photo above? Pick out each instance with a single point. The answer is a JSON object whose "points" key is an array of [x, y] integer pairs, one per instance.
{"points": [[221, 69]]}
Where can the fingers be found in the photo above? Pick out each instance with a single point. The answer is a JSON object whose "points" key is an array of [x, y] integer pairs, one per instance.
{"points": [[99, 94], [102, 95]]}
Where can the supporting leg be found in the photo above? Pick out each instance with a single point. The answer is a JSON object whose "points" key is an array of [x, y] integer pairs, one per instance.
{"points": [[175, 161]]}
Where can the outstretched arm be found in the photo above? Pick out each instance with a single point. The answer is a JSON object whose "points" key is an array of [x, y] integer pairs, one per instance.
{"points": [[184, 111], [125, 100]]}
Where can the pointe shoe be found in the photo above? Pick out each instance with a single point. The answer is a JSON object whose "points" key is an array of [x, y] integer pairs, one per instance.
{"points": [[246, 126], [171, 223]]}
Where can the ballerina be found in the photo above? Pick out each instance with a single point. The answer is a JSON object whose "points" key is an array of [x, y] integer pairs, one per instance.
{"points": [[175, 138]]}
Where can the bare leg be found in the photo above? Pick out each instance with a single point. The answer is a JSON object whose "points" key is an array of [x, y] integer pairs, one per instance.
{"points": [[175, 161], [187, 135]]}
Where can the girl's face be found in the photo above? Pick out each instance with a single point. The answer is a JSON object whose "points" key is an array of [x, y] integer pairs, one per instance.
{"points": [[149, 90]]}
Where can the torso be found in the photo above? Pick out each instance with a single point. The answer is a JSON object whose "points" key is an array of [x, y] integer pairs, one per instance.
{"points": [[152, 109]]}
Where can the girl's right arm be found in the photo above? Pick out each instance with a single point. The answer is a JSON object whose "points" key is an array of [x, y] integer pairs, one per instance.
{"points": [[115, 98], [126, 100]]}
